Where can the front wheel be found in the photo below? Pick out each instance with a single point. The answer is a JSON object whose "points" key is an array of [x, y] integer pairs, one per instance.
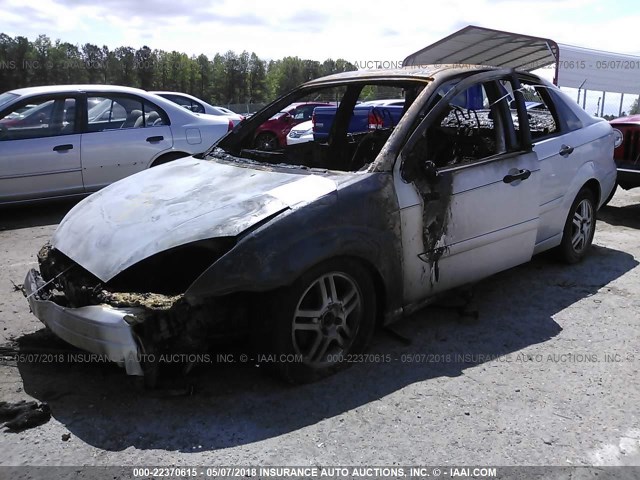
{"points": [[266, 141], [579, 228], [324, 317]]}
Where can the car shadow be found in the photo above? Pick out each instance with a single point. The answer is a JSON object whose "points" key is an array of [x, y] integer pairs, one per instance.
{"points": [[625, 216], [235, 404], [34, 215]]}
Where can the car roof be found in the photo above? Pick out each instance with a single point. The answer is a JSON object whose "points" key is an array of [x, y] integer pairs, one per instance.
{"points": [[75, 88], [167, 92], [420, 73]]}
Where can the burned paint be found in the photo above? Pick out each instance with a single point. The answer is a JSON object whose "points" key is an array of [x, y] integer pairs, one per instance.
{"points": [[175, 204], [435, 188], [360, 220], [436, 196]]}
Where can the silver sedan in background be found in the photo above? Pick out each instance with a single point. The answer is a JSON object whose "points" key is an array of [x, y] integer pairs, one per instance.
{"points": [[71, 140], [200, 106]]}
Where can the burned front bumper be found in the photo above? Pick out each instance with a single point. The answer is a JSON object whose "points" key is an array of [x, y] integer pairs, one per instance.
{"points": [[98, 329]]}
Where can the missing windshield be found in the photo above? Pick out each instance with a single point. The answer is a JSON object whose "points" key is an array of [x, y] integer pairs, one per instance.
{"points": [[337, 127]]}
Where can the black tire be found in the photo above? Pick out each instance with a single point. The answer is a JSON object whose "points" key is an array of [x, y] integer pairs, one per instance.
{"points": [[266, 141], [579, 228], [615, 187], [318, 346]]}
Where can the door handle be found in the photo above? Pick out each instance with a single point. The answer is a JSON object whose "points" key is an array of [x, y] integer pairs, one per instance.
{"points": [[565, 150], [522, 175], [62, 148], [157, 138]]}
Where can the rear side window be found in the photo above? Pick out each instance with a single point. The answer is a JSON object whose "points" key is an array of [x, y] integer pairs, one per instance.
{"points": [[196, 107], [186, 103], [543, 121], [112, 112]]}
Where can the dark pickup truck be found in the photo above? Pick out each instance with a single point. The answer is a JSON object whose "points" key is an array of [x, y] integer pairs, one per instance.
{"points": [[364, 119]]}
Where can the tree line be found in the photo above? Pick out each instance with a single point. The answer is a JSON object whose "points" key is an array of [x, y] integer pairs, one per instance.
{"points": [[228, 78]]}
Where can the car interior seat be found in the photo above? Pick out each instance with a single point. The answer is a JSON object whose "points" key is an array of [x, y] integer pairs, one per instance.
{"points": [[69, 121], [132, 119], [146, 120]]}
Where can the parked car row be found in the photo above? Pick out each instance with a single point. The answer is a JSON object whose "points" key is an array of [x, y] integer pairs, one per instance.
{"points": [[367, 116], [307, 247], [272, 134]]}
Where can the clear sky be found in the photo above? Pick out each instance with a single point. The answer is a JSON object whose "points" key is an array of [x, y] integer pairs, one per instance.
{"points": [[355, 30]]}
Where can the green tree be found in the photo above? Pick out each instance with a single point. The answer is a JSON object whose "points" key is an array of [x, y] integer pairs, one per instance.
{"points": [[218, 79], [42, 67], [124, 67], [257, 83], [145, 63], [205, 69], [94, 62], [232, 77], [226, 79]]}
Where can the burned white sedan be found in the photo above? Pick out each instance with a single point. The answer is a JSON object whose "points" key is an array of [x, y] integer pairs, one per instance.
{"points": [[309, 247]]}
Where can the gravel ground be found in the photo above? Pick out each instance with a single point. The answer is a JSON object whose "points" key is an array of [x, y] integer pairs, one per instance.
{"points": [[545, 376]]}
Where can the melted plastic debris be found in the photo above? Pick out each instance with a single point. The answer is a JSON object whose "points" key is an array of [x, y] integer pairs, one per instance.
{"points": [[152, 301]]}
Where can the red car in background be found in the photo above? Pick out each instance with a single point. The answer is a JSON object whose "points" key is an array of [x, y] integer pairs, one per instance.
{"points": [[627, 151], [272, 134]]}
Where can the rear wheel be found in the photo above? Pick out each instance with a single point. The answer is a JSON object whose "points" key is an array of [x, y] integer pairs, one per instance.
{"points": [[579, 228], [325, 316]]}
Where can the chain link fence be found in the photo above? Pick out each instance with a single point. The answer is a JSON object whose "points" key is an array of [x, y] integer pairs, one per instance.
{"points": [[244, 108]]}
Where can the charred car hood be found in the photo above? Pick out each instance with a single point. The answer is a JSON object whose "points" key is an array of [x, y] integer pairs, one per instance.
{"points": [[174, 204]]}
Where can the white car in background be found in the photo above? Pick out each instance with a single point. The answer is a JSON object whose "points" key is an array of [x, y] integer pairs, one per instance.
{"points": [[301, 133], [197, 105], [75, 139]]}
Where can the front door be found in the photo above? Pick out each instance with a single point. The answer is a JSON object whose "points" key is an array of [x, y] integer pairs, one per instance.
{"points": [[40, 149], [471, 208]]}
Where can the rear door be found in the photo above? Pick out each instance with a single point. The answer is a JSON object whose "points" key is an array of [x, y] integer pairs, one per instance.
{"points": [[559, 156], [123, 134], [40, 148], [475, 207]]}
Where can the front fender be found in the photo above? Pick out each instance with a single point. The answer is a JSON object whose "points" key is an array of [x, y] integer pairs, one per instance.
{"points": [[252, 266], [360, 220]]}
